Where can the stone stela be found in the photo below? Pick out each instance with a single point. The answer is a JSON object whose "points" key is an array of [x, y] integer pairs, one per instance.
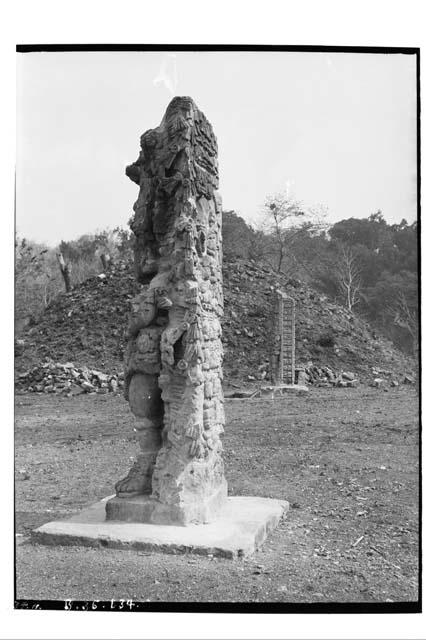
{"points": [[174, 498], [173, 367], [282, 356]]}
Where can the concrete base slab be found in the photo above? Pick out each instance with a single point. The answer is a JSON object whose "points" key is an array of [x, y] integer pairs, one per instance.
{"points": [[242, 527]]}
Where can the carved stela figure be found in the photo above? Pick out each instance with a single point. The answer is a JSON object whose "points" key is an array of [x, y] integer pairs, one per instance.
{"points": [[173, 367]]}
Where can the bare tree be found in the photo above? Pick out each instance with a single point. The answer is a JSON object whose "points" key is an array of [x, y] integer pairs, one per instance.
{"points": [[348, 272], [406, 317], [285, 218], [106, 261], [281, 213], [65, 268]]}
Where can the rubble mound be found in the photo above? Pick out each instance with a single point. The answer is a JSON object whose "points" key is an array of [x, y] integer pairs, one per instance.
{"points": [[330, 339], [87, 327], [67, 379]]}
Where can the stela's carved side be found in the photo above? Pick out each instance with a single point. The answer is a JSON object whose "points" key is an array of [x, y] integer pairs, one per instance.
{"points": [[282, 346], [173, 365]]}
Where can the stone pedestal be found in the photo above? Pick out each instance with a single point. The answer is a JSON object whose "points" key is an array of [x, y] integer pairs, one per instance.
{"points": [[143, 508], [241, 528]]}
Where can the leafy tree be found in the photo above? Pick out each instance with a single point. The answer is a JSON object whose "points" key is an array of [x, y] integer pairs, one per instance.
{"points": [[239, 239], [124, 241], [360, 231], [405, 239], [393, 304]]}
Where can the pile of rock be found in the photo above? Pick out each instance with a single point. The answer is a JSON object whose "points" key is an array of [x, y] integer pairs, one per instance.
{"points": [[325, 376], [67, 379], [320, 376], [384, 377], [327, 334], [87, 326]]}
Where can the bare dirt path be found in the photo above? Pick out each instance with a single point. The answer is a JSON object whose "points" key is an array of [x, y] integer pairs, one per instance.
{"points": [[345, 459]]}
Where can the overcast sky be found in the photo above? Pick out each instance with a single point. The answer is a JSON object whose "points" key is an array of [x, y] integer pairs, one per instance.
{"points": [[337, 129]]}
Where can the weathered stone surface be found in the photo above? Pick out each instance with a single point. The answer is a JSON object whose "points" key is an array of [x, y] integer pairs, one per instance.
{"points": [[378, 382], [240, 529], [409, 379], [173, 368], [302, 377], [282, 349], [143, 508]]}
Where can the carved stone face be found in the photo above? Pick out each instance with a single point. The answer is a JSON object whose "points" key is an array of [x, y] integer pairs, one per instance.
{"points": [[149, 140], [144, 308], [163, 300], [179, 106], [178, 294]]}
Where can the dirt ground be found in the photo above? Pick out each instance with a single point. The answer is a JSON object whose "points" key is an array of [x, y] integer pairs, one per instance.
{"points": [[345, 459]]}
